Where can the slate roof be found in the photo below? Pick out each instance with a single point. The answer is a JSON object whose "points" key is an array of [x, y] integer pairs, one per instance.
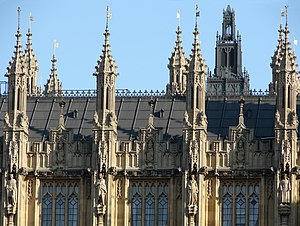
{"points": [[133, 113]]}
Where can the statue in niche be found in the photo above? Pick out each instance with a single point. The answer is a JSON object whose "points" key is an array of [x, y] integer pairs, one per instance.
{"points": [[60, 152], [285, 189], [277, 119], [186, 119], [111, 119], [192, 191], [293, 118], [22, 119], [6, 120], [240, 152], [11, 190], [201, 119], [96, 119], [150, 151], [101, 190]]}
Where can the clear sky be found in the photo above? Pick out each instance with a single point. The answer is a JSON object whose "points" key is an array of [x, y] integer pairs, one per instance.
{"points": [[142, 36]]}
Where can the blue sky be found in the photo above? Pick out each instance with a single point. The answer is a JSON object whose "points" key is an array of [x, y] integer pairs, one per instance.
{"points": [[142, 36]]}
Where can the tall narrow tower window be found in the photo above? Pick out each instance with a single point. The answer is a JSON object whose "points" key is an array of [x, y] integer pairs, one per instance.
{"points": [[192, 97], [19, 99], [283, 97], [289, 96], [107, 98]]}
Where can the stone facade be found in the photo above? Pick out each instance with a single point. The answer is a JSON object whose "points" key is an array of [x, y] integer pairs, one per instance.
{"points": [[174, 159]]}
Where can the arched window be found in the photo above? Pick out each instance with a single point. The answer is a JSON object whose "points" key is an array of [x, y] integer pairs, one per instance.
{"points": [[240, 203], [149, 203], [136, 205], [227, 205], [162, 205], [61, 199], [47, 205]]}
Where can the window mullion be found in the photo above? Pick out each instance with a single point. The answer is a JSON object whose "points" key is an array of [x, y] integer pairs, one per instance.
{"points": [[53, 203], [66, 204], [143, 203], [247, 203], [233, 203]]}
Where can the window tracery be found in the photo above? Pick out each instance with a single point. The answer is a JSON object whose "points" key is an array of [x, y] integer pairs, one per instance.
{"points": [[149, 203], [240, 203], [60, 204]]}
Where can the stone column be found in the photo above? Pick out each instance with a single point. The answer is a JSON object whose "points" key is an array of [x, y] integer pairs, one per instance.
{"points": [[191, 212], [284, 212], [100, 210]]}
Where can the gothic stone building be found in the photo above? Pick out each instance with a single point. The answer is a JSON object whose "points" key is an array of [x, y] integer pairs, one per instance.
{"points": [[208, 152]]}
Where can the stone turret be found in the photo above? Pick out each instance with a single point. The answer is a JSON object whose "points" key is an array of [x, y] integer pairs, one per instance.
{"points": [[228, 77], [194, 132], [105, 133], [285, 84], [195, 102], [177, 68], [15, 138]]}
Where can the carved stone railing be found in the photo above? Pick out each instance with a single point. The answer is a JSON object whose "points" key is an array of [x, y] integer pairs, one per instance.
{"points": [[124, 93], [252, 92]]}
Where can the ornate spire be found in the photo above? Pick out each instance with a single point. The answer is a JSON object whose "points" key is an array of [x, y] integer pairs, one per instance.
{"points": [[197, 63], [31, 63], [177, 66], [106, 82], [53, 86], [16, 65], [106, 62], [287, 59]]}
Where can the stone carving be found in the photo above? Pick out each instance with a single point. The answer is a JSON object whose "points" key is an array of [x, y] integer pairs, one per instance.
{"points": [[111, 119], [11, 191], [240, 152], [192, 191], [277, 119], [186, 119], [60, 152], [22, 120], [149, 152], [293, 119], [285, 189], [6, 120], [202, 119], [13, 152], [101, 190], [96, 120]]}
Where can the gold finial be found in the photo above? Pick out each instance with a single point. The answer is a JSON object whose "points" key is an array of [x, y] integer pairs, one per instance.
{"points": [[108, 15], [286, 14], [178, 17], [30, 20], [282, 14], [19, 16], [55, 46]]}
